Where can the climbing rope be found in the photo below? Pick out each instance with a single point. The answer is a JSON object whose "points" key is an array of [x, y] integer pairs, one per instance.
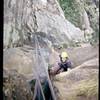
{"points": [[44, 66], [35, 71]]}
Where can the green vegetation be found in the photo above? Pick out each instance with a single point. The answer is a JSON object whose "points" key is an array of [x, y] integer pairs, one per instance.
{"points": [[71, 10]]}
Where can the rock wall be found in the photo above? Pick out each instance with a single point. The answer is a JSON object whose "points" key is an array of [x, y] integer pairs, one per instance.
{"points": [[22, 18], [15, 86], [84, 14], [85, 79]]}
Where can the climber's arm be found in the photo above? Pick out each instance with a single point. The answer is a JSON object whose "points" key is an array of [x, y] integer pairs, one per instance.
{"points": [[55, 70]]}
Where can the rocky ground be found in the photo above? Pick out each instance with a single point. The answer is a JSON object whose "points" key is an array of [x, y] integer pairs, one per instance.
{"points": [[79, 83], [77, 55], [26, 19], [15, 86]]}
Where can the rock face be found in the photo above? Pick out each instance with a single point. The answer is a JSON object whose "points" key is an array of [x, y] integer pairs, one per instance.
{"points": [[77, 55], [22, 18], [84, 14], [80, 82], [81, 54], [91, 9], [15, 86], [25, 19], [19, 60], [23, 60]]}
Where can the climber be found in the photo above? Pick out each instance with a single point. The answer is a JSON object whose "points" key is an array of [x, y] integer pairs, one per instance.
{"points": [[63, 65]]}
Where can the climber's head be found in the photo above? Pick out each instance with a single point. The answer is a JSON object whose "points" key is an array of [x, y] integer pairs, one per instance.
{"points": [[64, 56]]}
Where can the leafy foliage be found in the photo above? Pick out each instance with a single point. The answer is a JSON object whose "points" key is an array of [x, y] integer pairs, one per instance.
{"points": [[71, 11]]}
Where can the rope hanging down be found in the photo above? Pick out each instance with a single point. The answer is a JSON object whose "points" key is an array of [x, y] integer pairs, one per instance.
{"points": [[35, 71], [38, 50]]}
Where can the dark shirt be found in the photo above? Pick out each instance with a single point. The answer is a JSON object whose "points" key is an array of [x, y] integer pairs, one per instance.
{"points": [[65, 65]]}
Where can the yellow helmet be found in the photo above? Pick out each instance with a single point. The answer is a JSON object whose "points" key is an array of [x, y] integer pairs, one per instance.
{"points": [[64, 55]]}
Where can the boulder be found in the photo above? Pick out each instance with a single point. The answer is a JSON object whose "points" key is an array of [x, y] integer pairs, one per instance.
{"points": [[23, 59], [15, 86], [81, 54], [17, 59], [80, 82]]}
